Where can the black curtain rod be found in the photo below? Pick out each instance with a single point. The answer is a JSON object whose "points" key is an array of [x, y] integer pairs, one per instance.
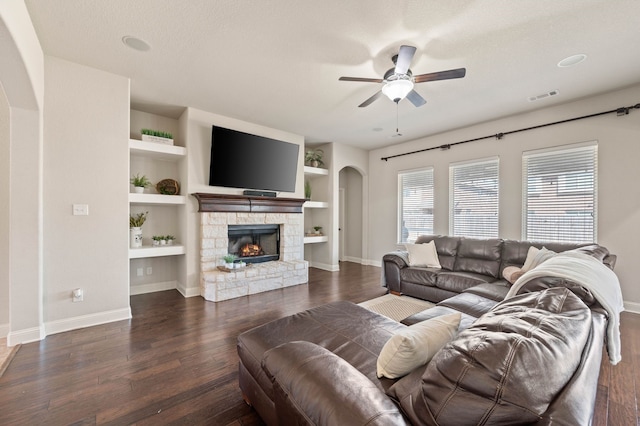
{"points": [[618, 111]]}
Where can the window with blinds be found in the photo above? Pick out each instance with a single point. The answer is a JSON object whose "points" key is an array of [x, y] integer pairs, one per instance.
{"points": [[415, 204], [560, 194], [473, 196]]}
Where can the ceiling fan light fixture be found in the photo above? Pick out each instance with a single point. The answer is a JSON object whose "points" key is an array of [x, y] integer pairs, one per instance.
{"points": [[396, 90]]}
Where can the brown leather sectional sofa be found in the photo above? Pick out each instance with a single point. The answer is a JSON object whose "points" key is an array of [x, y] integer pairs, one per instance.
{"points": [[466, 263], [531, 359]]}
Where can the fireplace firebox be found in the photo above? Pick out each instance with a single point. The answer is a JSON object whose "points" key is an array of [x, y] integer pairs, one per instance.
{"points": [[254, 243]]}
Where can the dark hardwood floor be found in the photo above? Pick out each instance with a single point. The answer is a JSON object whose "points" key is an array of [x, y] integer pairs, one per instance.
{"points": [[175, 361]]}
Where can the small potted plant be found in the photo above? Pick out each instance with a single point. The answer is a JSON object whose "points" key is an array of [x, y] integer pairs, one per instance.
{"points": [[228, 260], [313, 157], [140, 183], [135, 225], [156, 240], [318, 229], [307, 190], [170, 239], [157, 136]]}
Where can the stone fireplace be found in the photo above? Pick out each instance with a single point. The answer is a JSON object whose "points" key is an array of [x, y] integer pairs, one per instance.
{"points": [[231, 222]]}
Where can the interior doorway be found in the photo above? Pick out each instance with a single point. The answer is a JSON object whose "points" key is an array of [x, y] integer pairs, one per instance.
{"points": [[350, 214]]}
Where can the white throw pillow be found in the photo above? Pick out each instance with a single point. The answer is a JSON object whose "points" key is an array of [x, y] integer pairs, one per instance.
{"points": [[416, 345], [531, 254], [423, 255]]}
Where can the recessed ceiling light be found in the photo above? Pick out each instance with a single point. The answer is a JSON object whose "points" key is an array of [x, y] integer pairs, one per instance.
{"points": [[136, 43], [572, 60]]}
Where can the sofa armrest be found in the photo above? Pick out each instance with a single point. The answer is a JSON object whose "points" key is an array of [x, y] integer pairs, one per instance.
{"points": [[392, 263], [314, 386]]}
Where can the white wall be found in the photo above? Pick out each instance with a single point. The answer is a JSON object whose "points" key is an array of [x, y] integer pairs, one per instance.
{"points": [[195, 127], [86, 133], [618, 151], [4, 213], [22, 76]]}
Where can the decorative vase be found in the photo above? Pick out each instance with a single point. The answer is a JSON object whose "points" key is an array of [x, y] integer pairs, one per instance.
{"points": [[314, 163], [228, 265], [135, 235], [138, 189]]}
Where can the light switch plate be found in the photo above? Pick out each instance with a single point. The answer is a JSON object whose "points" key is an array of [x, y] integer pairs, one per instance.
{"points": [[81, 209]]}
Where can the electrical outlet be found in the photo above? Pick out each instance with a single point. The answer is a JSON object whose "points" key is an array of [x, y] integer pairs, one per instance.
{"points": [[139, 272], [149, 270], [77, 295]]}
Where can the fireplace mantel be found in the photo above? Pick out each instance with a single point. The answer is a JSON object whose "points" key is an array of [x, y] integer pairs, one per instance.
{"points": [[208, 203]]}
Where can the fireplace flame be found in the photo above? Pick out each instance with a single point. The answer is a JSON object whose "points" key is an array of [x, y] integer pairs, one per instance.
{"points": [[249, 250]]}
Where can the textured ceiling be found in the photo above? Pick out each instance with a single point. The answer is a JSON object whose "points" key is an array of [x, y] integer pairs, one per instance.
{"points": [[277, 62]]}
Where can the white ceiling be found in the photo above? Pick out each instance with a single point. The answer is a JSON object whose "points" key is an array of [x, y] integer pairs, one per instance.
{"points": [[277, 62]]}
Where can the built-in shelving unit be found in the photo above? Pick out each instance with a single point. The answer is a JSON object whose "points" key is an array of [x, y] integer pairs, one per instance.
{"points": [[143, 252], [317, 178], [157, 161]]}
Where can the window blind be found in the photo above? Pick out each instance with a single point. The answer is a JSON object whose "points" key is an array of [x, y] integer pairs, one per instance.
{"points": [[473, 192], [560, 194], [415, 204]]}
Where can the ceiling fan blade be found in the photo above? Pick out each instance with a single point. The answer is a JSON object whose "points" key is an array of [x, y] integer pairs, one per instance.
{"points": [[441, 75], [366, 80], [416, 99], [371, 99], [405, 55]]}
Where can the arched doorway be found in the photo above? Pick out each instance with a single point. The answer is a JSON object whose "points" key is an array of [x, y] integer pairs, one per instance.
{"points": [[350, 215]]}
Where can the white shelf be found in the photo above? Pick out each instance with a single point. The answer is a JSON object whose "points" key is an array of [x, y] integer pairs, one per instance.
{"points": [[315, 171], [316, 204], [156, 151], [156, 199], [318, 239], [149, 251]]}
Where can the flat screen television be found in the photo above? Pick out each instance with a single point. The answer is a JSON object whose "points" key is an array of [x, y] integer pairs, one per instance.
{"points": [[243, 160]]}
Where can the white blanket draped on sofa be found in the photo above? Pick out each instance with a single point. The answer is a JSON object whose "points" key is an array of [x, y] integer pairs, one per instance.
{"points": [[593, 275]]}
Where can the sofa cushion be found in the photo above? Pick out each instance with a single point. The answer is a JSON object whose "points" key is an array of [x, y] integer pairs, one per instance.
{"points": [[479, 256], [424, 276], [535, 339], [416, 345], [447, 248], [470, 304], [460, 281]]}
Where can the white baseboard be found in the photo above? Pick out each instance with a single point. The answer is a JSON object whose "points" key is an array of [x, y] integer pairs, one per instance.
{"points": [[353, 259], [83, 321], [632, 307], [324, 266], [27, 335], [371, 262], [152, 287], [188, 292]]}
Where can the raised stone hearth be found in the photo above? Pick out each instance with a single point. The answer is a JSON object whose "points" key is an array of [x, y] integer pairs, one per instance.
{"points": [[290, 270]]}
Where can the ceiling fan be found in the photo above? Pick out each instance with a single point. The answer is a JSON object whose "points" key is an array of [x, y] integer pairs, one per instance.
{"points": [[399, 80]]}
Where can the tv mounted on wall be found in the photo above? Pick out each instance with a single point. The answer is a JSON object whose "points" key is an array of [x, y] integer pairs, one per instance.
{"points": [[243, 160]]}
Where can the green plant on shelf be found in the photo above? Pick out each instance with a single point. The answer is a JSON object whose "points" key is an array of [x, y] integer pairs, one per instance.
{"points": [[157, 133], [138, 220], [229, 258], [140, 181], [307, 190], [313, 157]]}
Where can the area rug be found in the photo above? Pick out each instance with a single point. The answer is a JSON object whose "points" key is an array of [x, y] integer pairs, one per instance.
{"points": [[396, 307], [6, 355]]}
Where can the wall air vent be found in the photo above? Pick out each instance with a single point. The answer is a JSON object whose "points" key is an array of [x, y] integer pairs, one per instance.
{"points": [[543, 96]]}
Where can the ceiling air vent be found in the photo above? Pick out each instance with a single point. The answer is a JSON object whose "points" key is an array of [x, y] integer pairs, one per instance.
{"points": [[544, 95]]}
